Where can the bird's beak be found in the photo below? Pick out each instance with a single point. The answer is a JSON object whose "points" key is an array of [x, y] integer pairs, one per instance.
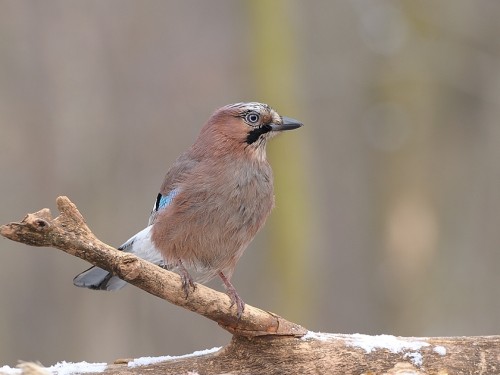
{"points": [[287, 123]]}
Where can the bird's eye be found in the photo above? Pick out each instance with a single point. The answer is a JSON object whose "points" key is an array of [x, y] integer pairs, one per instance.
{"points": [[252, 117]]}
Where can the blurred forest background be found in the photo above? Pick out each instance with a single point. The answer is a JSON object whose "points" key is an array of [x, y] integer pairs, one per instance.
{"points": [[388, 199]]}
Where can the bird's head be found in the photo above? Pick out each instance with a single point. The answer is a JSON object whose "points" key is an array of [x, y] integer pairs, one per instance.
{"points": [[247, 126]]}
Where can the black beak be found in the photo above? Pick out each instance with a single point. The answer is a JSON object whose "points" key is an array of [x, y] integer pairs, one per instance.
{"points": [[287, 123]]}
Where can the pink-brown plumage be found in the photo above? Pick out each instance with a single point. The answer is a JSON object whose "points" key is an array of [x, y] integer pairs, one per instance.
{"points": [[213, 201]]}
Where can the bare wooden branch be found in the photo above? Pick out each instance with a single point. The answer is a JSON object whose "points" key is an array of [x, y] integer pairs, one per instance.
{"points": [[69, 233], [339, 354], [333, 354], [262, 341]]}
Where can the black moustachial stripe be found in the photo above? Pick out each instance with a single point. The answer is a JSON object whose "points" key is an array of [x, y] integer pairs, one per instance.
{"points": [[255, 133]]}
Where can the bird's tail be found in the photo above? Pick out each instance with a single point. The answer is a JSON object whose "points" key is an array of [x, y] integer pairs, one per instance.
{"points": [[98, 279]]}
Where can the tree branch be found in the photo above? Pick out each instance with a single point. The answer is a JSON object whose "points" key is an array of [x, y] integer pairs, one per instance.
{"points": [[262, 341], [330, 354], [69, 233], [339, 354]]}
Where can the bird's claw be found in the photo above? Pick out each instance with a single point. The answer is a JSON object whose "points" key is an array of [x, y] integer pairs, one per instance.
{"points": [[236, 300], [233, 296], [187, 284], [187, 281]]}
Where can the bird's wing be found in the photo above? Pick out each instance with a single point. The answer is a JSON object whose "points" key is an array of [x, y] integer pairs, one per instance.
{"points": [[169, 190], [177, 175], [140, 244], [162, 201]]}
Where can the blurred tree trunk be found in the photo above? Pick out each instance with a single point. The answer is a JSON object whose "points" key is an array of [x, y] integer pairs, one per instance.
{"points": [[407, 110], [274, 59]]}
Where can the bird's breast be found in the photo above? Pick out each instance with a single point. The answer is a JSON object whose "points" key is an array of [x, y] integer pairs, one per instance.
{"points": [[251, 194], [216, 214]]}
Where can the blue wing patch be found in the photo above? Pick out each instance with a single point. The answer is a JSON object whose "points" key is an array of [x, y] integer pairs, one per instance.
{"points": [[163, 201]]}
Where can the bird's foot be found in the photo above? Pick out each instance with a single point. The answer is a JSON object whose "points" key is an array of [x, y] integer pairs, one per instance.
{"points": [[187, 280], [233, 296], [236, 300], [167, 266], [187, 284]]}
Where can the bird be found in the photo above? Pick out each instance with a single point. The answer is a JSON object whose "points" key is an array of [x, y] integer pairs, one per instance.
{"points": [[214, 199]]}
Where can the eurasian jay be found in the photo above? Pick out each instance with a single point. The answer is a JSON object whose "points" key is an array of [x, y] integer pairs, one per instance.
{"points": [[213, 201]]}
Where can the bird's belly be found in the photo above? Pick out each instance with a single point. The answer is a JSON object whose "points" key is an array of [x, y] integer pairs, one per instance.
{"points": [[211, 232]]}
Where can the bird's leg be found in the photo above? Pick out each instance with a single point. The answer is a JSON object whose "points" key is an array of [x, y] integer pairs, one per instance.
{"points": [[233, 295], [168, 267], [187, 281]]}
